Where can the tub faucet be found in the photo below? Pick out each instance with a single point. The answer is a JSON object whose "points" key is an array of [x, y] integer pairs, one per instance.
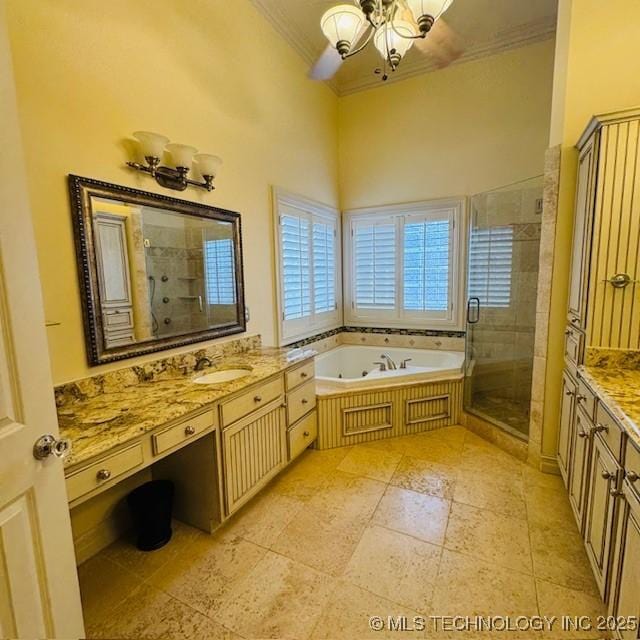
{"points": [[391, 365]]}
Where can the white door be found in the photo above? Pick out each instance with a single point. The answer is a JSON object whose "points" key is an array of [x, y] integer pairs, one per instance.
{"points": [[39, 596]]}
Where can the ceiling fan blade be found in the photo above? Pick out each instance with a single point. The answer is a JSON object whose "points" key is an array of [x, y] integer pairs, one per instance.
{"points": [[442, 43], [327, 65]]}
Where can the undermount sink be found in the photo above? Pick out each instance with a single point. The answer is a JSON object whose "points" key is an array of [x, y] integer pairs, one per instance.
{"points": [[217, 377]]}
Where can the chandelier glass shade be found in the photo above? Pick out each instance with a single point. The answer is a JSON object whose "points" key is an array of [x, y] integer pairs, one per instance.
{"points": [[393, 25]]}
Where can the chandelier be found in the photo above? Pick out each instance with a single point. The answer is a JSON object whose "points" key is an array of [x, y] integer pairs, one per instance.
{"points": [[393, 25]]}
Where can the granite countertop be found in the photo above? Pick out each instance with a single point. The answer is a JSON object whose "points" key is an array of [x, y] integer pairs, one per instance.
{"points": [[619, 389], [101, 422]]}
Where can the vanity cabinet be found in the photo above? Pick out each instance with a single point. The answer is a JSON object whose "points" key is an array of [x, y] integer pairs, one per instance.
{"points": [[254, 451], [602, 482], [581, 443], [565, 434], [624, 600], [582, 227]]}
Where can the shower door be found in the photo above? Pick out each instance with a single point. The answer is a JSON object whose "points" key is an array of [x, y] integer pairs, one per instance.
{"points": [[504, 241]]}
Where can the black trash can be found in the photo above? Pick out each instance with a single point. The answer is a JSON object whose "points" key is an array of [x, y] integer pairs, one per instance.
{"points": [[151, 505]]}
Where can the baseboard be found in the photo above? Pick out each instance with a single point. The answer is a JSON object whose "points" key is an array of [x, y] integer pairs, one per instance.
{"points": [[549, 464], [95, 540]]}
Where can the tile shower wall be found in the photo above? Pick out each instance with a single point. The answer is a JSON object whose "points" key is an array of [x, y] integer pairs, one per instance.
{"points": [[175, 262]]}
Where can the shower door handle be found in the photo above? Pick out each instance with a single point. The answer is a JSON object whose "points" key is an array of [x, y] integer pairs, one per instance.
{"points": [[473, 304]]}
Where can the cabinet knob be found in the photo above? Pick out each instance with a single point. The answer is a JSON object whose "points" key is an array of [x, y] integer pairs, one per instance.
{"points": [[257, 399], [607, 475], [189, 430], [103, 475], [601, 428], [570, 393], [306, 434], [304, 374], [581, 398], [631, 476], [575, 320], [304, 401], [567, 332], [615, 493], [582, 434]]}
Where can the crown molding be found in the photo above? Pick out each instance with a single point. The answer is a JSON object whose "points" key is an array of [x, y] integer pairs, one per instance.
{"points": [[505, 40], [281, 23]]}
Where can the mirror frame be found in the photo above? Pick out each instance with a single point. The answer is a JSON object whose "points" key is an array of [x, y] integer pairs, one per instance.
{"points": [[81, 190]]}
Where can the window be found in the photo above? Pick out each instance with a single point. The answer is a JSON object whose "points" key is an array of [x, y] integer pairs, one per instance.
{"points": [[402, 264], [219, 270], [308, 266], [490, 266]]}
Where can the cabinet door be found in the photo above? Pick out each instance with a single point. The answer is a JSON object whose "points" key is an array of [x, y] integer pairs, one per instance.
{"points": [[112, 261], [625, 595], [583, 219], [254, 450], [578, 468], [600, 511], [565, 434]]}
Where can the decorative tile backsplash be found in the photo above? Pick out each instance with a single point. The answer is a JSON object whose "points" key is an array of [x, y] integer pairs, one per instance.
{"points": [[385, 331], [163, 368], [612, 358]]}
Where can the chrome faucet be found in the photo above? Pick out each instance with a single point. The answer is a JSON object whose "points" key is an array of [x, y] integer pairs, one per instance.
{"points": [[203, 362], [391, 365]]}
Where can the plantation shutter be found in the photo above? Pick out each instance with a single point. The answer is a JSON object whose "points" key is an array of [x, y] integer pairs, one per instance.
{"points": [[296, 268], [490, 266], [374, 265], [324, 266], [219, 271], [426, 265]]}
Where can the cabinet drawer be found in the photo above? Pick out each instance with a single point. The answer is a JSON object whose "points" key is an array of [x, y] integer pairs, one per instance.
{"points": [[118, 338], [302, 434], [118, 319], [185, 430], [573, 345], [295, 377], [301, 401], [249, 401], [586, 399], [609, 431], [103, 471]]}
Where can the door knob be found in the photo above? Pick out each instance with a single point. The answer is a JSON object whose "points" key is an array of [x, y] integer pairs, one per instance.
{"points": [[48, 445]]}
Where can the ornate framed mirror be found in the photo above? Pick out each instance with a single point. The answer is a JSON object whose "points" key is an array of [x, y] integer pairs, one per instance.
{"points": [[155, 272]]}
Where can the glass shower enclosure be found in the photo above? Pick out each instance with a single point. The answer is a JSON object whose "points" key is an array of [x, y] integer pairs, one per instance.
{"points": [[503, 247]]}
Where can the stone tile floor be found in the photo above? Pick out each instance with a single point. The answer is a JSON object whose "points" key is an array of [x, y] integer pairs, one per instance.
{"points": [[441, 523]]}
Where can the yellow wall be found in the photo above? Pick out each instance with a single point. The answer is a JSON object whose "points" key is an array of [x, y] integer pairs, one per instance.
{"points": [[208, 73], [600, 45], [458, 131]]}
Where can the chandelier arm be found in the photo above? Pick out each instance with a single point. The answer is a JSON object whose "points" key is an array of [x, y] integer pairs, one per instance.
{"points": [[420, 36], [362, 46]]}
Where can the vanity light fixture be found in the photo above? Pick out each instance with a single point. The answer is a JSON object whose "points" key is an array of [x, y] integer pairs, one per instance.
{"points": [[393, 25], [153, 146]]}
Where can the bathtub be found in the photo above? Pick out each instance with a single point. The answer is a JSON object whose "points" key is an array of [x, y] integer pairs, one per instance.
{"points": [[352, 367]]}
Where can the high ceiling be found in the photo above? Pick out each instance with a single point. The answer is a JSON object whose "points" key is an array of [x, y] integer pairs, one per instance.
{"points": [[484, 27]]}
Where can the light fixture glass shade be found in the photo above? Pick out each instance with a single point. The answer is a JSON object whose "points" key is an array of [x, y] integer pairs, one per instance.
{"points": [[388, 38], [342, 24], [208, 165], [151, 144], [181, 154], [433, 8]]}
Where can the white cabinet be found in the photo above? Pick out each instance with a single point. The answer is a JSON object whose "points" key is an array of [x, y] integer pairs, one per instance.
{"points": [[254, 451], [582, 225], [114, 281], [565, 433], [602, 482], [579, 467]]}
